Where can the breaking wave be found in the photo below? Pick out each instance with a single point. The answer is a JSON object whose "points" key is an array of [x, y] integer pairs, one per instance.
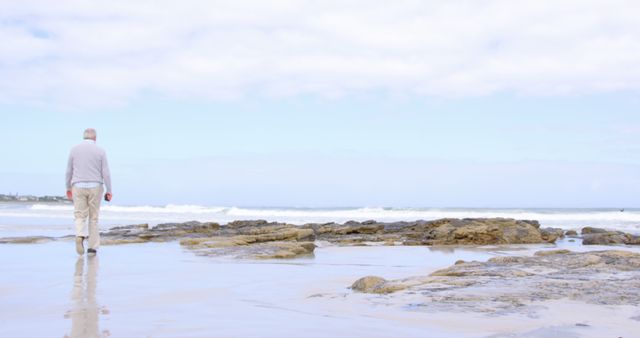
{"points": [[628, 220]]}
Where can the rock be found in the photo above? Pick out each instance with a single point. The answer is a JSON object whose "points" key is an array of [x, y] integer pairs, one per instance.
{"points": [[596, 236], [481, 231], [186, 227], [591, 230], [349, 228], [133, 240], [610, 238], [242, 239], [599, 236], [272, 232], [282, 250], [551, 234], [259, 238], [552, 252], [373, 284], [141, 233], [26, 240], [128, 234], [255, 240], [264, 250], [506, 259], [141, 227], [571, 233], [368, 284], [520, 284], [604, 238], [246, 223], [268, 241]]}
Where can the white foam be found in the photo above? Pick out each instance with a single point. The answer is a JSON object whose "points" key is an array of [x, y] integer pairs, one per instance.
{"points": [[170, 208], [567, 219]]}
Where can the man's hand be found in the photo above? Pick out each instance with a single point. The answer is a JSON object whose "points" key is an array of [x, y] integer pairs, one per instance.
{"points": [[69, 195], [107, 197]]}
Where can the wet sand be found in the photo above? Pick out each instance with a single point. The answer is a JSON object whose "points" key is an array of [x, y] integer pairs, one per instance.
{"points": [[163, 290]]}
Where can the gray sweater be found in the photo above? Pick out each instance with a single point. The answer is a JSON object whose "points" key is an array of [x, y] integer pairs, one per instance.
{"points": [[88, 163]]}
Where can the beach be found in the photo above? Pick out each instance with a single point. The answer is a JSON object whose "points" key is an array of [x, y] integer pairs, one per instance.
{"points": [[165, 289], [320, 169], [160, 290]]}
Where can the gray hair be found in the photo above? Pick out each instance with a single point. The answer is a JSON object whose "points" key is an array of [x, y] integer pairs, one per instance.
{"points": [[89, 134]]}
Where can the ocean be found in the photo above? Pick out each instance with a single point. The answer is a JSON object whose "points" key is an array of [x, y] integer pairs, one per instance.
{"points": [[24, 219]]}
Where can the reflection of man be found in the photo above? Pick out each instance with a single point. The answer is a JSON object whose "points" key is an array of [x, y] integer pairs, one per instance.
{"points": [[85, 311], [87, 170]]}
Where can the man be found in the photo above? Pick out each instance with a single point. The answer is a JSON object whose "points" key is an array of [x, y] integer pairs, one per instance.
{"points": [[87, 171]]}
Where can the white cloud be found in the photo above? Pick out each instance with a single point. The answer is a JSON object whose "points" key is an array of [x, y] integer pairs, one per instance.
{"points": [[78, 53]]}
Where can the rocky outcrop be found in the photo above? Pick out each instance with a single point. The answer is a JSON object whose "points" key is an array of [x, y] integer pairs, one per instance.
{"points": [[508, 283], [478, 231], [481, 231], [26, 240], [243, 239], [141, 233], [266, 241], [441, 232], [598, 236], [262, 239]]}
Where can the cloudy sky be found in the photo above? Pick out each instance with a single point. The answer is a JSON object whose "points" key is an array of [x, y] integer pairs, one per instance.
{"points": [[328, 103]]}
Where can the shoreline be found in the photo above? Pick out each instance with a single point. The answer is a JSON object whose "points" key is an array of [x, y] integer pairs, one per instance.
{"points": [[207, 279], [134, 295], [59, 214]]}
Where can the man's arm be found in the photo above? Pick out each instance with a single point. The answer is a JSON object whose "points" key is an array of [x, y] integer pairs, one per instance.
{"points": [[106, 175], [69, 174]]}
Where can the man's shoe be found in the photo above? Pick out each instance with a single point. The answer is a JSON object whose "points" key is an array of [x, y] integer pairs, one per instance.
{"points": [[79, 245], [92, 251]]}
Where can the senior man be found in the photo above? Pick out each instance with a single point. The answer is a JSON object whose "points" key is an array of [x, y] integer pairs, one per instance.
{"points": [[87, 171]]}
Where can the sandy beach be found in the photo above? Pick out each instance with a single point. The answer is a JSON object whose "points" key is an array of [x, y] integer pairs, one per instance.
{"points": [[163, 290], [320, 169]]}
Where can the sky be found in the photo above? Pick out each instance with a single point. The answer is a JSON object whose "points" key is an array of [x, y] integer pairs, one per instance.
{"points": [[328, 104]]}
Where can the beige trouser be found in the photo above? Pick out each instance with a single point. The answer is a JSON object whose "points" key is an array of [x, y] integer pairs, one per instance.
{"points": [[86, 203]]}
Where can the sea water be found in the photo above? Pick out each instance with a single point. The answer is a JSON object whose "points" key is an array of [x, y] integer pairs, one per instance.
{"points": [[163, 290], [21, 219]]}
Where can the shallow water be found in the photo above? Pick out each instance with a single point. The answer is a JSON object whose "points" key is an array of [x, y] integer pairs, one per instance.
{"points": [[161, 290]]}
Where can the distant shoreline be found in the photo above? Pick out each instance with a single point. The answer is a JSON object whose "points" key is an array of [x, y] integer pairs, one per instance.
{"points": [[32, 198]]}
